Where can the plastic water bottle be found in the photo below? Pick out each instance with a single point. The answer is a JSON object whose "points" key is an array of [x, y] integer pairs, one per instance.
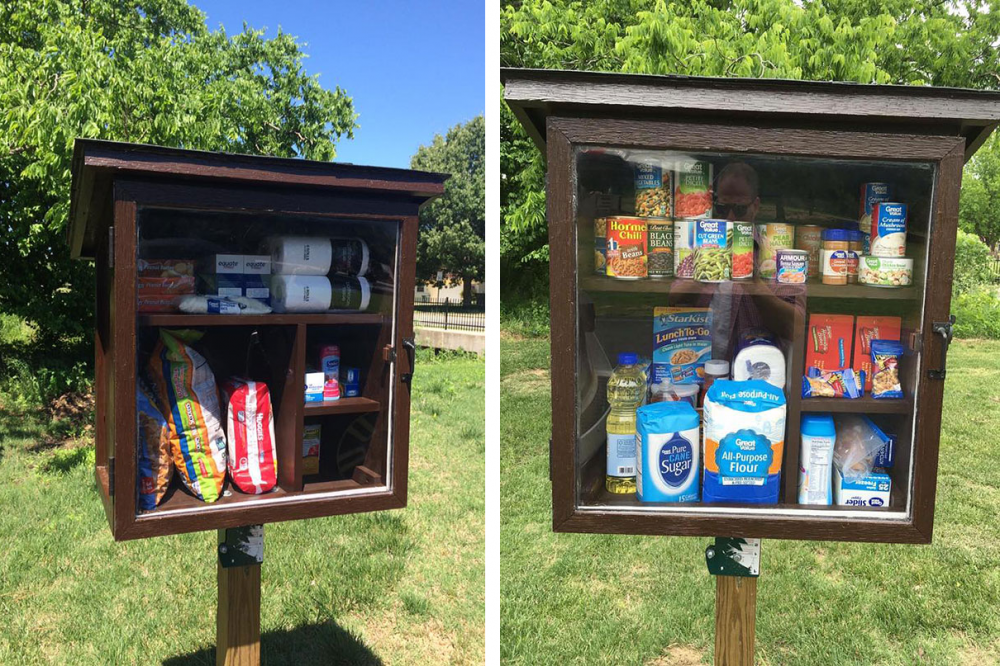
{"points": [[626, 392]]}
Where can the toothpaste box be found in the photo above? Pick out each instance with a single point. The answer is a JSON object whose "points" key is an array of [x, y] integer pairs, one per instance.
{"points": [[223, 263], [221, 284], [256, 264], [310, 448], [870, 489]]}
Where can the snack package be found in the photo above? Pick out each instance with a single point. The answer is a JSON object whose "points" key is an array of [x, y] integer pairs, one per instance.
{"points": [[885, 369], [843, 383], [828, 343], [185, 387], [155, 466], [859, 441], [253, 463], [866, 330]]}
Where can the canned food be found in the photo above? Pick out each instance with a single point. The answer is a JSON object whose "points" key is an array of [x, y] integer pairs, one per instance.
{"points": [[810, 239], [660, 235], [626, 251], [792, 266], [742, 265], [600, 246], [653, 191], [684, 248], [872, 194], [886, 271], [770, 238], [693, 189], [713, 240], [888, 230]]}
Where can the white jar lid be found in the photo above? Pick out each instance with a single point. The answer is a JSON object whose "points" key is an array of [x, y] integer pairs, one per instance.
{"points": [[717, 367]]}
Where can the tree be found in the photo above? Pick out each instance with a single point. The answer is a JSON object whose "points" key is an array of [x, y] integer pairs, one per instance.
{"points": [[979, 213], [920, 42], [144, 71], [453, 227]]}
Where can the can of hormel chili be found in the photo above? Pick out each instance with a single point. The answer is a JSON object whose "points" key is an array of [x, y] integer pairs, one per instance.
{"points": [[626, 247]]}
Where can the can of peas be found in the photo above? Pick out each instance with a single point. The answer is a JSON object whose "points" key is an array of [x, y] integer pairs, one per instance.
{"points": [[713, 254]]}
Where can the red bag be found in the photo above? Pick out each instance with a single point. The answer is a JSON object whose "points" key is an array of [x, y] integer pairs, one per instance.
{"points": [[253, 463]]}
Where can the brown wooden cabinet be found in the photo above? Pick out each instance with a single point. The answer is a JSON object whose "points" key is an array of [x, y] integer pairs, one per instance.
{"points": [[137, 206], [779, 155]]}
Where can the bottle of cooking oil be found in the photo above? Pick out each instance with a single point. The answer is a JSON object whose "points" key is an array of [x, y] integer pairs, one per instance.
{"points": [[626, 392]]}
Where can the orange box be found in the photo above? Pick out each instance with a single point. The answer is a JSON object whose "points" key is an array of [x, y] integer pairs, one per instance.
{"points": [[866, 330], [828, 341]]}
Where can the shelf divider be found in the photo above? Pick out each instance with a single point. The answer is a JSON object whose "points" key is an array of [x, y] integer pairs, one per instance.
{"points": [[357, 405], [274, 319]]}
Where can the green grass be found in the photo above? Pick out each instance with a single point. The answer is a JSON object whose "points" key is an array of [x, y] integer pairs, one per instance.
{"points": [[399, 587], [587, 599]]}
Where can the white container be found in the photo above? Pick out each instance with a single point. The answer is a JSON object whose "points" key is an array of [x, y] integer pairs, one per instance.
{"points": [[816, 460]]}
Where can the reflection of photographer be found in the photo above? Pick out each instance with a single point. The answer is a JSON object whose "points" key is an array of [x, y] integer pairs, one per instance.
{"points": [[737, 193]]}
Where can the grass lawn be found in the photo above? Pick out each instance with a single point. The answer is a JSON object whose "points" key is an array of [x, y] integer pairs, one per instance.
{"points": [[400, 587], [589, 599]]}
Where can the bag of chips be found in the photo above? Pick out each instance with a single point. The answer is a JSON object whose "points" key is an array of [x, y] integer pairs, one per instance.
{"points": [[885, 369], [845, 383], [250, 428], [155, 466], [185, 386]]}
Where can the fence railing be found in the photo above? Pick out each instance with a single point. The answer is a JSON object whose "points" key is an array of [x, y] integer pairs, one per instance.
{"points": [[995, 269], [450, 316]]}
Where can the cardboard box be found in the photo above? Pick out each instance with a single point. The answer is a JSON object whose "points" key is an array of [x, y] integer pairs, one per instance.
{"points": [[314, 386], [231, 264], [310, 448], [829, 340], [872, 489], [221, 285], [256, 264], [867, 329], [257, 286]]}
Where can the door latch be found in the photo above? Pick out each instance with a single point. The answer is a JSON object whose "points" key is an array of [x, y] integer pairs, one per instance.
{"points": [[944, 329], [410, 346]]}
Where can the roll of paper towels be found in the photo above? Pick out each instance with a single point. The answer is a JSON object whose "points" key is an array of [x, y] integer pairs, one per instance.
{"points": [[299, 255], [758, 356], [300, 293]]}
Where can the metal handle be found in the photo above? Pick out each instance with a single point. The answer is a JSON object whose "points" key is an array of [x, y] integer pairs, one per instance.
{"points": [[944, 329], [411, 354]]}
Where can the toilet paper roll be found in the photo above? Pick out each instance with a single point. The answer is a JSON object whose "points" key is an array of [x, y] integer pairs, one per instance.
{"points": [[299, 255], [300, 293], [760, 361]]}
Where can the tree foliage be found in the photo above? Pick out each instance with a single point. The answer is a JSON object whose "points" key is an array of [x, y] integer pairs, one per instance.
{"points": [[918, 42], [145, 71], [453, 227], [979, 213]]}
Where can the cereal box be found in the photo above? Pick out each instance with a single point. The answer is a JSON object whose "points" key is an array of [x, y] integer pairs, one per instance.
{"points": [[626, 247], [682, 341], [828, 341], [867, 329]]}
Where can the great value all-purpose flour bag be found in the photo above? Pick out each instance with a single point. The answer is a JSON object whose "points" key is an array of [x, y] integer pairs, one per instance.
{"points": [[744, 438], [186, 388]]}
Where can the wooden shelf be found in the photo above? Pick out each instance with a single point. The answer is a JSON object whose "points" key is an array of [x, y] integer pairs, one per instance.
{"points": [[865, 405], [273, 319], [751, 287], [342, 406]]}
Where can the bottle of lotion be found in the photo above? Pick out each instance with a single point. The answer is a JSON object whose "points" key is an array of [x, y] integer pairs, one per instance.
{"points": [[816, 459]]}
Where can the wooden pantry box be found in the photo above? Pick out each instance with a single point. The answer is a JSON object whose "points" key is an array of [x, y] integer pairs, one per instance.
{"points": [[768, 153], [140, 211]]}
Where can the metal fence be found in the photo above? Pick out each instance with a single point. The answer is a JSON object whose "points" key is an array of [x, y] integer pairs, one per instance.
{"points": [[449, 315], [995, 268]]}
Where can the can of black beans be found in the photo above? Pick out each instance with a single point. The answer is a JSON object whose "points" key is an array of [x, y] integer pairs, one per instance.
{"points": [[660, 239]]}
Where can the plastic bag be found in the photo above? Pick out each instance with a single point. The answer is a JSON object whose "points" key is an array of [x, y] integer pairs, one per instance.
{"points": [[250, 428], [155, 466], [845, 383], [885, 369], [858, 442]]}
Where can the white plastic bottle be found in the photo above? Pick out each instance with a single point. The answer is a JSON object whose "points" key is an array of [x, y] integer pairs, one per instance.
{"points": [[816, 459]]}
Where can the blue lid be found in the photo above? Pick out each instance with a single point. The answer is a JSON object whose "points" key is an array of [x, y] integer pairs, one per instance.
{"points": [[818, 425], [628, 359], [836, 235], [855, 235]]}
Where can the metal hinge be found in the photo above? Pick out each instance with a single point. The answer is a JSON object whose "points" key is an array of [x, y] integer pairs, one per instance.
{"points": [[551, 466], [111, 247], [916, 342], [111, 476], [733, 557], [389, 354]]}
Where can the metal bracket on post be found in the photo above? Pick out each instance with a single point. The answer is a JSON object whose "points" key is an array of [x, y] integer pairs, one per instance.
{"points": [[242, 546], [733, 556]]}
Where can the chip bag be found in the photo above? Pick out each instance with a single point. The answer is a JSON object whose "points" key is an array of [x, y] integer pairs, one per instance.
{"points": [[155, 465], [185, 387], [885, 369]]}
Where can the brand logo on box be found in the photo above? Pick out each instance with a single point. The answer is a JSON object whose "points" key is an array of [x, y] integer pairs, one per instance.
{"points": [[675, 461]]}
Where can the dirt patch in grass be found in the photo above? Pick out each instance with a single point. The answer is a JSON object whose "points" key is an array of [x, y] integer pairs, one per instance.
{"points": [[526, 381], [679, 655]]}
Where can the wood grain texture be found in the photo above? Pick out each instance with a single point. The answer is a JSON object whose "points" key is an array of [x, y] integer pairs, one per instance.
{"points": [[237, 628], [124, 361], [357, 405], [735, 620]]}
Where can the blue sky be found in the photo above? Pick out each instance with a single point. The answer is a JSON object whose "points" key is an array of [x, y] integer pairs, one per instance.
{"points": [[414, 69]]}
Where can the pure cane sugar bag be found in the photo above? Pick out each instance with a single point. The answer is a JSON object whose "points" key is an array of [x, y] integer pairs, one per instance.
{"points": [[186, 388], [744, 439], [155, 466], [667, 448], [250, 431]]}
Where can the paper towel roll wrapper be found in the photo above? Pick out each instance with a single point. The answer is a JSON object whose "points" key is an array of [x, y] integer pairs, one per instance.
{"points": [[300, 293], [299, 255], [760, 361]]}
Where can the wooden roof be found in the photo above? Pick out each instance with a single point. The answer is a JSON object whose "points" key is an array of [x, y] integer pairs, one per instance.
{"points": [[96, 163], [536, 94]]}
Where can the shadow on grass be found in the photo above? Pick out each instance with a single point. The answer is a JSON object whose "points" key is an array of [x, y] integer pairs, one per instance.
{"points": [[64, 461], [326, 643]]}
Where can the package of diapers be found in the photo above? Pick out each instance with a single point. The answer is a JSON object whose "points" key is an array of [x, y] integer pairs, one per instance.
{"points": [[250, 430], [185, 387], [155, 464], [744, 439]]}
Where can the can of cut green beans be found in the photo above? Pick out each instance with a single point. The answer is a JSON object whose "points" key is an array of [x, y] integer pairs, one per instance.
{"points": [[660, 238], [713, 254]]}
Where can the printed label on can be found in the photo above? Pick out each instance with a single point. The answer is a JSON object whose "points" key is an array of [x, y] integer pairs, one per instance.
{"points": [[684, 248], [693, 189], [626, 251], [888, 230], [810, 239], [792, 266], [660, 234], [835, 263], [600, 245], [742, 264], [653, 191], [713, 250], [771, 238]]}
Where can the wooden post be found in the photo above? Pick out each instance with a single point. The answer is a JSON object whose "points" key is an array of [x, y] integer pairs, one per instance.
{"points": [[735, 620], [238, 616]]}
